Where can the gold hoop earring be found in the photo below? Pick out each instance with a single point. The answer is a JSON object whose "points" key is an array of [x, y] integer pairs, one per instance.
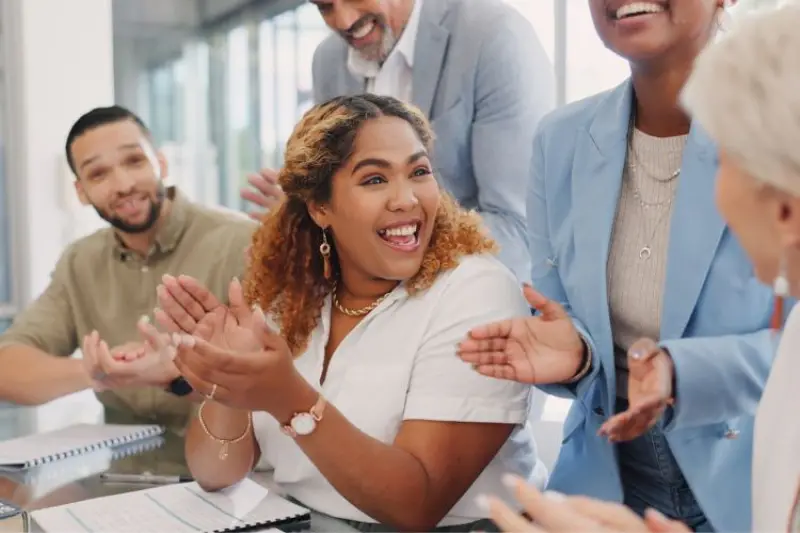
{"points": [[325, 251]]}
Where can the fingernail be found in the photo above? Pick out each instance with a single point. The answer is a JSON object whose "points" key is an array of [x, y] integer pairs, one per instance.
{"points": [[166, 277], [511, 481], [554, 496], [636, 354], [656, 515], [176, 339], [156, 310], [144, 319], [236, 280], [187, 340], [482, 502]]}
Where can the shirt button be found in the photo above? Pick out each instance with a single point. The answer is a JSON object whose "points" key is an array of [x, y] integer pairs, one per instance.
{"points": [[732, 434]]}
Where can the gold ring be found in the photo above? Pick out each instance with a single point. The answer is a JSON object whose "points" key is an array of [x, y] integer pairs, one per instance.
{"points": [[210, 396]]}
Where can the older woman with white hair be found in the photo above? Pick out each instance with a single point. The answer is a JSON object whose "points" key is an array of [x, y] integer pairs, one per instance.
{"points": [[745, 92]]}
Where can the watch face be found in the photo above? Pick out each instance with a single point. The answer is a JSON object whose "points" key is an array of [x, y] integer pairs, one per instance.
{"points": [[303, 424], [180, 387]]}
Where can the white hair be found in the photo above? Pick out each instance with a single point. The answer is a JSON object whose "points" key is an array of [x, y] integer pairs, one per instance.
{"points": [[745, 92]]}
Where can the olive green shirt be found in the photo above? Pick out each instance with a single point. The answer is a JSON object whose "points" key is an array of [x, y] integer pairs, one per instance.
{"points": [[100, 285]]}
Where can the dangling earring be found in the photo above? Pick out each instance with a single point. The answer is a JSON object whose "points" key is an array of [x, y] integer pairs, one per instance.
{"points": [[781, 289], [325, 251], [723, 16]]}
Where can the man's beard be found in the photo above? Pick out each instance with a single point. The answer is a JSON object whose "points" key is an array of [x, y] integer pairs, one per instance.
{"points": [[156, 204], [377, 52]]}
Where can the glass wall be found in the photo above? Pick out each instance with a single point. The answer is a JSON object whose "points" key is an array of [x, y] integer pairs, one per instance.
{"points": [[7, 301], [287, 48]]}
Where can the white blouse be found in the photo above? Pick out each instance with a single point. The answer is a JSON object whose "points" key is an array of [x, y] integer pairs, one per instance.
{"points": [[776, 455], [399, 363]]}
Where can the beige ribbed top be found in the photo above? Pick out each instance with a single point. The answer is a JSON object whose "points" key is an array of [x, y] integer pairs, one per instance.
{"points": [[638, 254]]}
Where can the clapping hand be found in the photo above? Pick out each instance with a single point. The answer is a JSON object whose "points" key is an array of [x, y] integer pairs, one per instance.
{"points": [[137, 364], [183, 303], [552, 512], [236, 359], [265, 192], [540, 349], [650, 392]]}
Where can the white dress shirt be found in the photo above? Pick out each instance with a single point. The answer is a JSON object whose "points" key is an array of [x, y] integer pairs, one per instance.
{"points": [[776, 454], [394, 77], [399, 363]]}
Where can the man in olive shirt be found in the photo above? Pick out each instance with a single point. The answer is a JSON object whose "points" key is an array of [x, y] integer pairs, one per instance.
{"points": [[106, 282]]}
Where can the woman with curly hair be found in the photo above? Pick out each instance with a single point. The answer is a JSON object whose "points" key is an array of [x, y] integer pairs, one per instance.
{"points": [[357, 399]]}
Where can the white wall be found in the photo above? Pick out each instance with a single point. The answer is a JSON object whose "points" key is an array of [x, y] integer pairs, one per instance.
{"points": [[59, 64]]}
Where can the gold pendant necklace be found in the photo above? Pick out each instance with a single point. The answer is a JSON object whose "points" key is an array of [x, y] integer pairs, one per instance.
{"points": [[356, 312]]}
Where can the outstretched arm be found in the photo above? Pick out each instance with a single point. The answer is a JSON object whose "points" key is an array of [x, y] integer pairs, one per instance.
{"points": [[719, 378]]}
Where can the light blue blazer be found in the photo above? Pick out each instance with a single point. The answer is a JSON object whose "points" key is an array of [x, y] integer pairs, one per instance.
{"points": [[714, 319], [484, 80]]}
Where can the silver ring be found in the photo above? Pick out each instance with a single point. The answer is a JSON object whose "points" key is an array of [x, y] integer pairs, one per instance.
{"points": [[210, 396]]}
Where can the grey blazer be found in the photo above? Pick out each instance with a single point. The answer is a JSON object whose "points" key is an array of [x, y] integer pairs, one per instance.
{"points": [[484, 80]]}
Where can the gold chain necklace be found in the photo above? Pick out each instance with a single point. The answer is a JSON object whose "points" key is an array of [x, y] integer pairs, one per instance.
{"points": [[356, 312]]}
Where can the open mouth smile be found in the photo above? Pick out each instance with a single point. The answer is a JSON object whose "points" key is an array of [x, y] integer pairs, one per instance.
{"points": [[403, 237], [637, 9], [131, 206]]}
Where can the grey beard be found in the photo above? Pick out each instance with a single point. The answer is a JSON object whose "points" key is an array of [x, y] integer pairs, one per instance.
{"points": [[385, 48]]}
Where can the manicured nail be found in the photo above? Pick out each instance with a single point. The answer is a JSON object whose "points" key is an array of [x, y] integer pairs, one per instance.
{"points": [[176, 339], [144, 319], [167, 277], [482, 502], [637, 354], [554, 496], [510, 481], [188, 341], [656, 515]]}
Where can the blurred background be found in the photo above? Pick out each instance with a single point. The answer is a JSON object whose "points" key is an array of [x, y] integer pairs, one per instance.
{"points": [[220, 82]]}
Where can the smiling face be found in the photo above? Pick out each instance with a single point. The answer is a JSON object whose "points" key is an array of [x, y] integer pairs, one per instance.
{"points": [[383, 203], [120, 175], [646, 31], [371, 27]]}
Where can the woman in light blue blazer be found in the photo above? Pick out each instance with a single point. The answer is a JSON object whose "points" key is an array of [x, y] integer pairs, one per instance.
{"points": [[650, 315]]}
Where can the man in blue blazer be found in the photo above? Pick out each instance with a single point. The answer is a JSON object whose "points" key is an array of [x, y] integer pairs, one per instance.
{"points": [[475, 68]]}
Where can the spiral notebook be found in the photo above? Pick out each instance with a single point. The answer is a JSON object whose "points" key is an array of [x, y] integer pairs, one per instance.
{"points": [[44, 479], [43, 448], [179, 507]]}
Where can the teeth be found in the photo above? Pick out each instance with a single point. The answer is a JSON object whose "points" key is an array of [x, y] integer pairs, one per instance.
{"points": [[639, 8], [400, 231], [364, 31]]}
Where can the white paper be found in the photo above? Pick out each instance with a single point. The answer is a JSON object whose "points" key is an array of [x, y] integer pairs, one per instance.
{"points": [[176, 508]]}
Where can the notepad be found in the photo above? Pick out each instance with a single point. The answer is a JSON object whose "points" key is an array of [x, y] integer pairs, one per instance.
{"points": [[42, 448], [44, 479], [183, 507]]}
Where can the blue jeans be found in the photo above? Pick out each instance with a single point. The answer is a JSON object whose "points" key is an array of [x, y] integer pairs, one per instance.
{"points": [[651, 477]]}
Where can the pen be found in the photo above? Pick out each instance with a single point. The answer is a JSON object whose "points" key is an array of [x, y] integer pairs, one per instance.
{"points": [[146, 479]]}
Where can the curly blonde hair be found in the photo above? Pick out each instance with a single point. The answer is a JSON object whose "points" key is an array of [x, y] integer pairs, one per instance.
{"points": [[285, 277]]}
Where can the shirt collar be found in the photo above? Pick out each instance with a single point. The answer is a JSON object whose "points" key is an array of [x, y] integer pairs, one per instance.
{"points": [[405, 46], [169, 234]]}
